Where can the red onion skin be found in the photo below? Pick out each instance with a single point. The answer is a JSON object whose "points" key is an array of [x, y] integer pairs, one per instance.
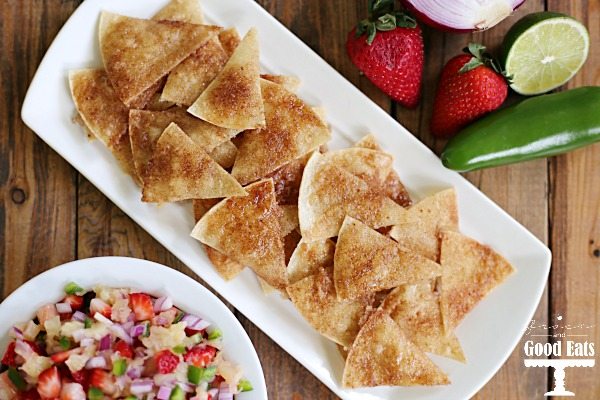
{"points": [[436, 25]]}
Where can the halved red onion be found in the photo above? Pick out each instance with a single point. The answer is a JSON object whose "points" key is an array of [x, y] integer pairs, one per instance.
{"points": [[224, 392], [141, 386], [63, 308], [96, 362], [163, 303], [120, 333], [164, 392], [462, 15], [195, 323], [104, 343], [137, 330], [79, 316]]}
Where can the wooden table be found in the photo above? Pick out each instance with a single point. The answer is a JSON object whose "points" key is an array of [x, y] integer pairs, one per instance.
{"points": [[50, 214]]}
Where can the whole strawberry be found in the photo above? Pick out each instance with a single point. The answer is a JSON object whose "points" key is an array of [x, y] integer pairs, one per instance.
{"points": [[388, 48], [471, 85]]}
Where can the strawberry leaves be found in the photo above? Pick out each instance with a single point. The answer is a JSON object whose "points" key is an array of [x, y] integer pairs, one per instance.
{"points": [[382, 17], [481, 57]]}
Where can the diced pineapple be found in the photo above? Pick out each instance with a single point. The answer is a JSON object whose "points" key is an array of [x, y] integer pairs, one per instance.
{"points": [[31, 331], [35, 365], [120, 310], [68, 328], [52, 326], [165, 338], [110, 295]]}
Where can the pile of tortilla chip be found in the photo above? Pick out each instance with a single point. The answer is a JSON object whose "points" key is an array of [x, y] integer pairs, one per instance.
{"points": [[185, 110]]}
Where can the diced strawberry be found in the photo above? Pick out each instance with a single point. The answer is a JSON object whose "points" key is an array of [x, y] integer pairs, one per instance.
{"points": [[99, 306], [191, 332], [34, 346], [166, 361], [49, 383], [200, 356], [44, 313], [6, 386], [31, 394], [72, 391], [9, 355], [76, 302], [102, 380], [142, 307], [217, 381], [66, 316], [122, 347], [82, 377], [61, 356], [209, 397]]}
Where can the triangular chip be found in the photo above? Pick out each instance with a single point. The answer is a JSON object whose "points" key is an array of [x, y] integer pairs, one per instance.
{"points": [[103, 113], [369, 165], [328, 194], [138, 52], [383, 355], [247, 230], [366, 261], [180, 169], [233, 99], [419, 230], [225, 266], [290, 83], [147, 96], [145, 127], [287, 180], [189, 79], [309, 257], [181, 10], [392, 186], [470, 270], [224, 154], [289, 219], [315, 298], [292, 130], [230, 40], [201, 207], [416, 308]]}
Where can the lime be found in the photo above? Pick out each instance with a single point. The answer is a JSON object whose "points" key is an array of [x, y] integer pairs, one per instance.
{"points": [[543, 51]]}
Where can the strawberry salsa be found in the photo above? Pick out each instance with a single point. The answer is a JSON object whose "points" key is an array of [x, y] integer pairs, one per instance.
{"points": [[117, 343]]}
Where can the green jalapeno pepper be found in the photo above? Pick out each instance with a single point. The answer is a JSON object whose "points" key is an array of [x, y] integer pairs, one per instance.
{"points": [[537, 127]]}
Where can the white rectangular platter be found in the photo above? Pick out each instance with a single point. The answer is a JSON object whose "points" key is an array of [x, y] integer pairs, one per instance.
{"points": [[488, 334]]}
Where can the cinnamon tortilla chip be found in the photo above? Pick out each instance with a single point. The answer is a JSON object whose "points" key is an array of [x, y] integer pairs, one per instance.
{"points": [[290, 83], [382, 354], [419, 229], [180, 169], [470, 271], [224, 154], [201, 207], [416, 309], [328, 194], [138, 52], [292, 130], [181, 10], [369, 165], [102, 112], [309, 257], [315, 298], [225, 266], [287, 180], [145, 127], [247, 229], [230, 40], [366, 262], [289, 219], [233, 99]]}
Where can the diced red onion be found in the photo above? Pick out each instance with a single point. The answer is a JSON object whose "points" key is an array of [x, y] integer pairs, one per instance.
{"points": [[186, 387], [163, 303], [79, 316], [131, 317], [18, 333], [127, 325], [104, 343], [160, 320], [63, 308], [214, 392], [23, 349], [141, 386], [121, 333], [134, 373], [137, 330], [121, 381], [195, 323], [462, 15], [96, 362], [101, 318], [140, 352], [164, 393], [224, 393], [86, 342]]}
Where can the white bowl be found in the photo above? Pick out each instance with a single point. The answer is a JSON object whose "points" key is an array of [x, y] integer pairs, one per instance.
{"points": [[153, 278]]}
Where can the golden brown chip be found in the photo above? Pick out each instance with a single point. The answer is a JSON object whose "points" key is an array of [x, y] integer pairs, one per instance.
{"points": [[148, 95], [292, 130], [290, 83], [309, 257], [321, 113], [225, 266], [287, 180], [383, 355], [371, 166], [392, 186], [145, 127], [138, 52], [201, 207], [181, 10], [230, 40], [416, 309], [180, 169], [290, 242], [247, 230], [366, 262], [329, 193], [315, 298], [224, 154], [156, 104], [419, 230], [289, 219], [102, 112], [189, 79], [470, 271], [233, 99]]}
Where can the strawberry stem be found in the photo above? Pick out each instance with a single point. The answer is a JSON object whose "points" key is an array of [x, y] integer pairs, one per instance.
{"points": [[481, 57], [382, 17]]}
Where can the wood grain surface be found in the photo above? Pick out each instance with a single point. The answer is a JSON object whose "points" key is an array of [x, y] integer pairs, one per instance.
{"points": [[49, 214]]}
